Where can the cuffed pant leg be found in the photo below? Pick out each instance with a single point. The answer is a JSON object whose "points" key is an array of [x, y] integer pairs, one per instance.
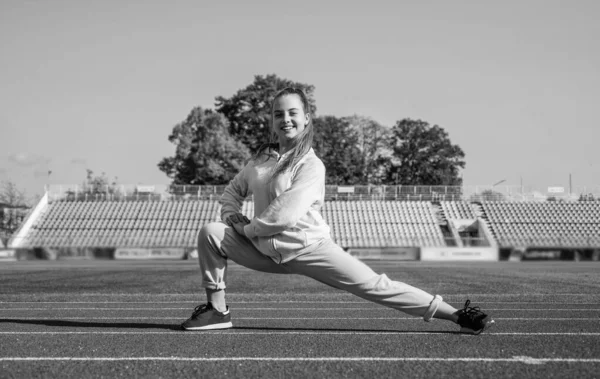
{"points": [[217, 242], [331, 265]]}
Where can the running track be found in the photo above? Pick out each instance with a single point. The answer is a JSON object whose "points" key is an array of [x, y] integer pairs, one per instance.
{"points": [[120, 319]]}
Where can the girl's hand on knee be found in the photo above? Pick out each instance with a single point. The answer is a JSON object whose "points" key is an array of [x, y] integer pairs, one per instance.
{"points": [[237, 222], [239, 228], [237, 218]]}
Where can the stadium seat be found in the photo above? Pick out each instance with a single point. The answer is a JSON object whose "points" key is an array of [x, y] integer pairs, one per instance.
{"points": [[544, 225], [368, 223]]}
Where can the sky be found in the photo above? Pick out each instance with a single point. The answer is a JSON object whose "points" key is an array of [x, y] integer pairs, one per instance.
{"points": [[100, 85]]}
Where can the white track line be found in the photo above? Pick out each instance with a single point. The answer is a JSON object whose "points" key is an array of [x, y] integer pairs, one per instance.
{"points": [[234, 303], [522, 359], [287, 309], [197, 302], [264, 302], [188, 308], [60, 318], [142, 294], [321, 332]]}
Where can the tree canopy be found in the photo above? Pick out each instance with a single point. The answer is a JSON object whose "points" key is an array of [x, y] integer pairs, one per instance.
{"points": [[249, 109], [11, 195], [372, 145], [205, 151], [212, 146], [13, 209], [423, 155], [338, 147], [98, 183]]}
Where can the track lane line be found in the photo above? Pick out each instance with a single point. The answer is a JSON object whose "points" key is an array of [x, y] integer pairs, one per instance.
{"points": [[58, 318], [329, 309], [234, 332], [516, 359], [266, 302], [297, 295], [142, 294]]}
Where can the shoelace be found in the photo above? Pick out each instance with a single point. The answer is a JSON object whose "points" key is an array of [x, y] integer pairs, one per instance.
{"points": [[200, 309], [470, 312]]}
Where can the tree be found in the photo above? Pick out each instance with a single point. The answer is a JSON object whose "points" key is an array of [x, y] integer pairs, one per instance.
{"points": [[372, 138], [487, 195], [249, 110], [587, 197], [11, 195], [98, 183], [423, 155], [206, 153], [13, 209], [337, 144]]}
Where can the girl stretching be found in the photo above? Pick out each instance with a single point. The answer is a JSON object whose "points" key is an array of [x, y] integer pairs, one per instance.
{"points": [[288, 235]]}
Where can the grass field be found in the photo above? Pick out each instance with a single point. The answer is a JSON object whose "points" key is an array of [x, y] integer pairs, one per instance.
{"points": [[120, 319]]}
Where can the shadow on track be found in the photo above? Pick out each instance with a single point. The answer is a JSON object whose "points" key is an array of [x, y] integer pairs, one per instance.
{"points": [[83, 324], [270, 329]]}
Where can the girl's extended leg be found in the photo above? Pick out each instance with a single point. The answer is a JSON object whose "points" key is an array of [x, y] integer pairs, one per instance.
{"points": [[331, 265]]}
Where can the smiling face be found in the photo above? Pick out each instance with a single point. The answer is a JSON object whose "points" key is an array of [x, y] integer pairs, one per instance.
{"points": [[289, 118]]}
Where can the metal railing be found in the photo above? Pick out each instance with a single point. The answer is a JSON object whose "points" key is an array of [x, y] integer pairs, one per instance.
{"points": [[478, 193]]}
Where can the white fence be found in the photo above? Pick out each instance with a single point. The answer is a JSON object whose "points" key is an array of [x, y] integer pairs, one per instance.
{"points": [[334, 192]]}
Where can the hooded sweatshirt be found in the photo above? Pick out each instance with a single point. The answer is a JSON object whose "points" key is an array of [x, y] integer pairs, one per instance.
{"points": [[287, 220]]}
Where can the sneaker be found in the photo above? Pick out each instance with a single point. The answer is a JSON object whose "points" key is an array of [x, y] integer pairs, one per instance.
{"points": [[472, 320], [205, 317]]}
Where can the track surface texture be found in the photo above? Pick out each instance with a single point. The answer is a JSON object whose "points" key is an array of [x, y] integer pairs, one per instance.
{"points": [[120, 319]]}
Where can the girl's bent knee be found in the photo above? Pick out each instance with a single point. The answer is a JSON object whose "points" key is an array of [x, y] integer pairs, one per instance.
{"points": [[211, 229]]}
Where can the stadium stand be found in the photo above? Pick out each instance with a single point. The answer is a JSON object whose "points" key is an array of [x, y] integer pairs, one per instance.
{"points": [[458, 210], [361, 217], [366, 223], [175, 223], [544, 224], [120, 223]]}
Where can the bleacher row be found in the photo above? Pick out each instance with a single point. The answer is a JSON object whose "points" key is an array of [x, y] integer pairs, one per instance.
{"points": [[458, 210], [121, 223], [548, 224], [378, 223], [383, 223], [373, 223]]}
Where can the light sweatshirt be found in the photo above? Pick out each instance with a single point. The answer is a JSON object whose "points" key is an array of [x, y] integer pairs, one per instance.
{"points": [[287, 220]]}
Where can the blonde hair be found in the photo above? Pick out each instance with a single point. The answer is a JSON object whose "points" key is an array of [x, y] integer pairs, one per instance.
{"points": [[301, 144]]}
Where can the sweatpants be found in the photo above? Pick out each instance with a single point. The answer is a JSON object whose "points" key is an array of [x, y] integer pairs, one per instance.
{"points": [[327, 263]]}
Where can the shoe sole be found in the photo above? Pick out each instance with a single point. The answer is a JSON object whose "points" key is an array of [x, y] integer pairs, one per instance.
{"points": [[224, 325], [487, 324]]}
